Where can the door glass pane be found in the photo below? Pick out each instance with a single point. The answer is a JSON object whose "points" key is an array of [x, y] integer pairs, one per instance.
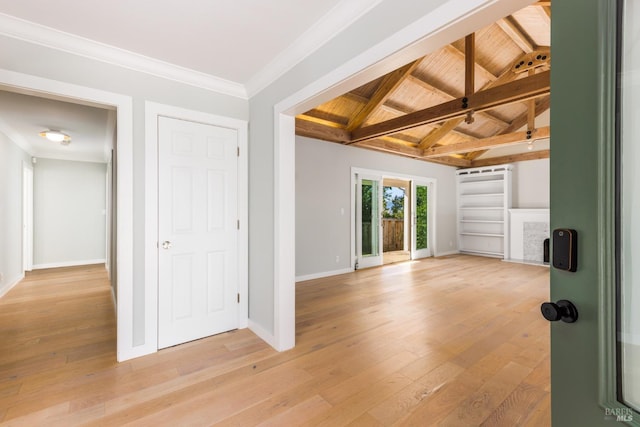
{"points": [[421, 217], [629, 208], [370, 218]]}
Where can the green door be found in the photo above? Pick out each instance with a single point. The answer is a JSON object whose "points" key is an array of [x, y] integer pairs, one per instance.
{"points": [[594, 369]]}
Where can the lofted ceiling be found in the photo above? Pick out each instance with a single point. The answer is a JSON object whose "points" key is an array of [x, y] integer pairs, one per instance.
{"points": [[479, 101]]}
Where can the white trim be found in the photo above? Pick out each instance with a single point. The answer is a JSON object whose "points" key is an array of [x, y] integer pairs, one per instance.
{"points": [[340, 17], [152, 112], [439, 254], [442, 25], [263, 334], [323, 274], [124, 105], [69, 263], [421, 180], [10, 285], [31, 32]]}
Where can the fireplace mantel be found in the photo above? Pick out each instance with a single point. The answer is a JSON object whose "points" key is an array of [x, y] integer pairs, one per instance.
{"points": [[528, 229]]}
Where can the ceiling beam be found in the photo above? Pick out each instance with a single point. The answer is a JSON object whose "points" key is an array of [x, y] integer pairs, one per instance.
{"points": [[531, 155], [387, 86], [313, 129], [391, 147], [445, 95], [479, 68], [512, 29], [437, 134], [488, 143], [518, 90], [470, 64]]}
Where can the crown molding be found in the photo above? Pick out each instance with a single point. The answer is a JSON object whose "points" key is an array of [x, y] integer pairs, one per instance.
{"points": [[340, 17], [21, 29]]}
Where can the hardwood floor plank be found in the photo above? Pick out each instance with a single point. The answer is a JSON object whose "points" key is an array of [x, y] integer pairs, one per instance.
{"points": [[456, 340]]}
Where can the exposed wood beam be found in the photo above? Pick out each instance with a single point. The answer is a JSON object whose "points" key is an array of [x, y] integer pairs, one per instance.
{"points": [[487, 143], [437, 134], [391, 147], [445, 95], [512, 29], [470, 64], [312, 129], [450, 161], [542, 3], [531, 155], [518, 90], [388, 85], [542, 105]]}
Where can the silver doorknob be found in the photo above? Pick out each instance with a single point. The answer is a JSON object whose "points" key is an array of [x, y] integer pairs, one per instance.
{"points": [[166, 244]]}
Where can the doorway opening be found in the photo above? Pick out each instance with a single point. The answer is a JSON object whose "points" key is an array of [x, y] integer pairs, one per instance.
{"points": [[393, 220], [396, 227]]}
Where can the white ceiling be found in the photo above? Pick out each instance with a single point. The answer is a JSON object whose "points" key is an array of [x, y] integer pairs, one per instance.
{"points": [[236, 47], [234, 40], [91, 129]]}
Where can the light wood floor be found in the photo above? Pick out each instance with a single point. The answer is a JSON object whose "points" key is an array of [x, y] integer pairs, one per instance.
{"points": [[454, 341]]}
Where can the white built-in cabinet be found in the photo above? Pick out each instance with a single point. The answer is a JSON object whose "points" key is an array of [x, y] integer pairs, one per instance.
{"points": [[484, 200]]}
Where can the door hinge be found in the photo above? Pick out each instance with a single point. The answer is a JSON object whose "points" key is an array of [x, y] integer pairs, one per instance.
{"points": [[238, 298], [238, 151], [238, 224]]}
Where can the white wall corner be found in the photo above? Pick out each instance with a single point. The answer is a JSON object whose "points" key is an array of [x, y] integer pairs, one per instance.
{"points": [[263, 334], [323, 274], [10, 285]]}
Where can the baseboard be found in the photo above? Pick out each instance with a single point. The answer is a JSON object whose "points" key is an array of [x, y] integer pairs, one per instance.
{"points": [[69, 264], [263, 334], [323, 274], [10, 285], [447, 253]]}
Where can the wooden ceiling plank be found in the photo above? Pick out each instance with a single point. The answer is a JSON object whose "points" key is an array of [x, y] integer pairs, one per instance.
{"points": [[316, 130], [511, 29], [388, 85], [517, 90], [478, 68], [487, 143], [531, 155]]}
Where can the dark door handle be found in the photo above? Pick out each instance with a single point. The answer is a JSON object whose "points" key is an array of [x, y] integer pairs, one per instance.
{"points": [[562, 310]]}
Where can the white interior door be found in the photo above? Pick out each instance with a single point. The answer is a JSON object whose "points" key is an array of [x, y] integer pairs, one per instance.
{"points": [[198, 237], [368, 220], [420, 220]]}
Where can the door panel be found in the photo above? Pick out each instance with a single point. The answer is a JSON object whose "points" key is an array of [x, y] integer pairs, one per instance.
{"points": [[421, 246], [368, 220], [584, 387], [197, 167]]}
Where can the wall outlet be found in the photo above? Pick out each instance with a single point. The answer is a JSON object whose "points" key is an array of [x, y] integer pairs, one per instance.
{"points": [[1, 277], [450, 243], [337, 259]]}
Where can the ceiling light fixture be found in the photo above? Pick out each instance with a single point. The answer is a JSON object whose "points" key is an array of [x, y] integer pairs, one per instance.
{"points": [[56, 136]]}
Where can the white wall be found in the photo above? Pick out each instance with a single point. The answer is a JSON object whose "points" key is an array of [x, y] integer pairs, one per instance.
{"points": [[12, 160], [32, 59], [323, 193], [69, 213], [530, 182]]}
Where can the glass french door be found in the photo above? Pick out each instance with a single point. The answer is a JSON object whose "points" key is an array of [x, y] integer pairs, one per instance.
{"points": [[420, 220], [368, 220]]}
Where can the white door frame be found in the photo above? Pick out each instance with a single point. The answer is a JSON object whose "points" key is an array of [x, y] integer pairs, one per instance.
{"points": [[152, 112], [27, 217], [444, 24], [373, 260], [124, 105], [432, 182]]}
